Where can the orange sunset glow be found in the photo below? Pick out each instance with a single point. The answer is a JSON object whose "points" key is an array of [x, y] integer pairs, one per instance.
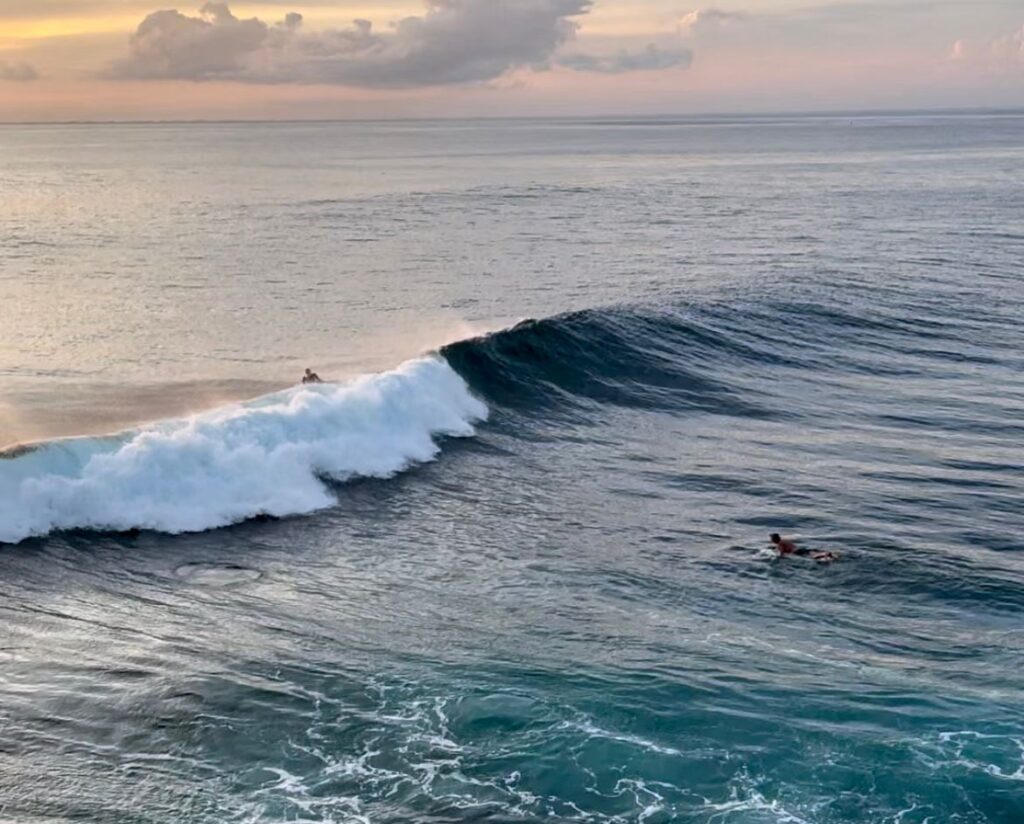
{"points": [[127, 59]]}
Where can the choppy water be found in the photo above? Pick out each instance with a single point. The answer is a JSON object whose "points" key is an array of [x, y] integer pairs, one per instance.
{"points": [[518, 577]]}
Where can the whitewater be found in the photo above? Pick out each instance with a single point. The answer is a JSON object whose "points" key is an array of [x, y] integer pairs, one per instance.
{"points": [[272, 456]]}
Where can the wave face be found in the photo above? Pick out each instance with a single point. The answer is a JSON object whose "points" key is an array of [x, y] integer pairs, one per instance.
{"points": [[268, 457], [625, 356]]}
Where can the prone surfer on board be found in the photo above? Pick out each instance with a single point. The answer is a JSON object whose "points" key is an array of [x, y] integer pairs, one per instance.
{"points": [[785, 547], [311, 376]]}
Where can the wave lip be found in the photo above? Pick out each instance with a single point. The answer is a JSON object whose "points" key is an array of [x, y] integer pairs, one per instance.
{"points": [[267, 457]]}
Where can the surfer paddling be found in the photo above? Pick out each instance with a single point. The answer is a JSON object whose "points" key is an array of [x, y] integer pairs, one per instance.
{"points": [[311, 376], [785, 547]]}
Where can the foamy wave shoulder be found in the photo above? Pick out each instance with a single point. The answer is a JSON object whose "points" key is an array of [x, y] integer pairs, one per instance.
{"points": [[269, 456]]}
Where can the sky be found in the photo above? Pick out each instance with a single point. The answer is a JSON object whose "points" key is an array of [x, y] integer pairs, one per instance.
{"points": [[271, 59]]}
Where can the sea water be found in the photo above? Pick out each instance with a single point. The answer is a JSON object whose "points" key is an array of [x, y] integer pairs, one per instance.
{"points": [[506, 564]]}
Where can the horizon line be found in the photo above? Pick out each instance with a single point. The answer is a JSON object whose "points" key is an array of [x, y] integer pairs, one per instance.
{"points": [[855, 113]]}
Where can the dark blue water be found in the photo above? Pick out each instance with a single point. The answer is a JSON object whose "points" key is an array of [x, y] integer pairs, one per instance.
{"points": [[524, 579]]}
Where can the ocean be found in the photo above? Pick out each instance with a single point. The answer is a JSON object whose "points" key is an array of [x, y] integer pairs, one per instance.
{"points": [[509, 562]]}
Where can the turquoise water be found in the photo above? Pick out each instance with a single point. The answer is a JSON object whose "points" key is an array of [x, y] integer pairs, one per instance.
{"points": [[520, 576]]}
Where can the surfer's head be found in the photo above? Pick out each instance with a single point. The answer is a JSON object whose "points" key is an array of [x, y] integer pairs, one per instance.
{"points": [[309, 371], [775, 537]]}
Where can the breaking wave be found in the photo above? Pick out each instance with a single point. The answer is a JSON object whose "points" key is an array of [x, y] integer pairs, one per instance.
{"points": [[270, 457]]}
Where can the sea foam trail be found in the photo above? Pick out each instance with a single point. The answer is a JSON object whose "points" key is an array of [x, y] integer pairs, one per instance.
{"points": [[224, 466]]}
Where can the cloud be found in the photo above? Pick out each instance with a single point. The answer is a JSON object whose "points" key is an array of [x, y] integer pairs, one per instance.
{"points": [[1001, 53], [454, 41], [1009, 49], [650, 59], [702, 20], [17, 72]]}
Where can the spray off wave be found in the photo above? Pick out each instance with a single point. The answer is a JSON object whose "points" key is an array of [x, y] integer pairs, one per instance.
{"points": [[268, 457]]}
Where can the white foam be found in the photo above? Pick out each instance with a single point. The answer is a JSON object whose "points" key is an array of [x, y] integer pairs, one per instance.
{"points": [[233, 463]]}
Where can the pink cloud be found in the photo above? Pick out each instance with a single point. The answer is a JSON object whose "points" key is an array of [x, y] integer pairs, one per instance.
{"points": [[1002, 53]]}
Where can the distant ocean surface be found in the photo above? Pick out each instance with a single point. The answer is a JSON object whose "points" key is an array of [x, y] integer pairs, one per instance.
{"points": [[508, 563]]}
